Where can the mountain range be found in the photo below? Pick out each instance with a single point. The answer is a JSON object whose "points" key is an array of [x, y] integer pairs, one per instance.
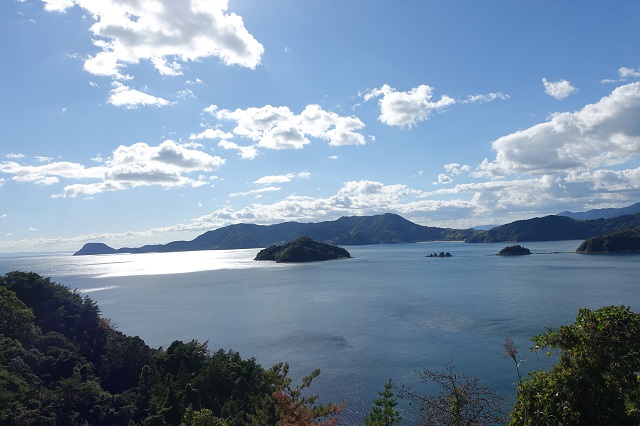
{"points": [[603, 213], [387, 228]]}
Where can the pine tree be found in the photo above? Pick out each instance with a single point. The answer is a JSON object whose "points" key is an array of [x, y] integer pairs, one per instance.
{"points": [[383, 412]]}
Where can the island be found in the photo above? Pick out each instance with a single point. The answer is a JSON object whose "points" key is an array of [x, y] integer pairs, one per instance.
{"points": [[95, 248], [441, 254], [616, 242], [516, 250], [303, 249]]}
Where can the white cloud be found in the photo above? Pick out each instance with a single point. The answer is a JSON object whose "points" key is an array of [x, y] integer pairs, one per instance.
{"points": [[270, 180], [211, 134], [132, 166], [484, 98], [124, 96], [406, 109], [626, 73], [333, 157], [279, 128], [558, 89], [14, 156], [245, 152], [165, 32], [443, 179], [456, 169], [605, 133], [255, 191], [185, 94]]}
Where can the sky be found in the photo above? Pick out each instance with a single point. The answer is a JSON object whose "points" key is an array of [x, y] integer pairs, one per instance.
{"points": [[135, 122]]}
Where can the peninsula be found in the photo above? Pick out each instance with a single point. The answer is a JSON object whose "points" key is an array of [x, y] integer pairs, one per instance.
{"points": [[615, 242]]}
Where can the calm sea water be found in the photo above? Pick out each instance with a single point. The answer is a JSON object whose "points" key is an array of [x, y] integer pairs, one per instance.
{"points": [[387, 313]]}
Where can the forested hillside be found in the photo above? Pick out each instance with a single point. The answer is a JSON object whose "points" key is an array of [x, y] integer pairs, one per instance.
{"points": [[61, 363]]}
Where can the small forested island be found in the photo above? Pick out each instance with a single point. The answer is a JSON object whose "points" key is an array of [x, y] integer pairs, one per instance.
{"points": [[616, 242], [516, 250], [303, 249]]}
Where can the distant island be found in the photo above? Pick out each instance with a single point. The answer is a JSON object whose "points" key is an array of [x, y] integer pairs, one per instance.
{"points": [[516, 250], [616, 242], [441, 254], [303, 249], [387, 228]]}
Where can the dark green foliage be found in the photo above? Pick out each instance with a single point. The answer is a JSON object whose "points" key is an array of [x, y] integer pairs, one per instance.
{"points": [[302, 250], [58, 309], [383, 412], [616, 242], [122, 361], [62, 364], [595, 381], [16, 319], [516, 250]]}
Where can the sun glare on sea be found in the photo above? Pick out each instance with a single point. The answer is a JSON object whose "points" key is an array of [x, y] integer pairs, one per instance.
{"points": [[173, 263]]}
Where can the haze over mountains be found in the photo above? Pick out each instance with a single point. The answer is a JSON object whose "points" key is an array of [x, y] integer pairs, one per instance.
{"points": [[389, 229], [603, 213]]}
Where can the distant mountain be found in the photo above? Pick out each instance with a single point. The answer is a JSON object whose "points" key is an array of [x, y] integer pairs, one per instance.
{"points": [[603, 213], [555, 228], [355, 230], [95, 248], [381, 229]]}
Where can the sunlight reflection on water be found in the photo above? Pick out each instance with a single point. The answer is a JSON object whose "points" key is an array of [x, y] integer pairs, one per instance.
{"points": [[121, 265]]}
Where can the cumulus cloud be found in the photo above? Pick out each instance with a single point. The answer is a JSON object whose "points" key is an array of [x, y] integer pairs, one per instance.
{"points": [[167, 165], [605, 133], [14, 156], [406, 109], [558, 89], [165, 32], [245, 152], [279, 128], [456, 169], [124, 96], [443, 179]]}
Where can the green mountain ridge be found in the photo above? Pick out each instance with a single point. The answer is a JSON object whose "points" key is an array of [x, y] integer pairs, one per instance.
{"points": [[386, 228]]}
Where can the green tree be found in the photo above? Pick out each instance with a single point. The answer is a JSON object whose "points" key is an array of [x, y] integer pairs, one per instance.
{"points": [[595, 381], [383, 412], [16, 319]]}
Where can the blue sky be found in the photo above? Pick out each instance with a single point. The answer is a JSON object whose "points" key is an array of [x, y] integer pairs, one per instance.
{"points": [[135, 121]]}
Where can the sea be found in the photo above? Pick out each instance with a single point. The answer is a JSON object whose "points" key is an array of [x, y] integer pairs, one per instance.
{"points": [[389, 312]]}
